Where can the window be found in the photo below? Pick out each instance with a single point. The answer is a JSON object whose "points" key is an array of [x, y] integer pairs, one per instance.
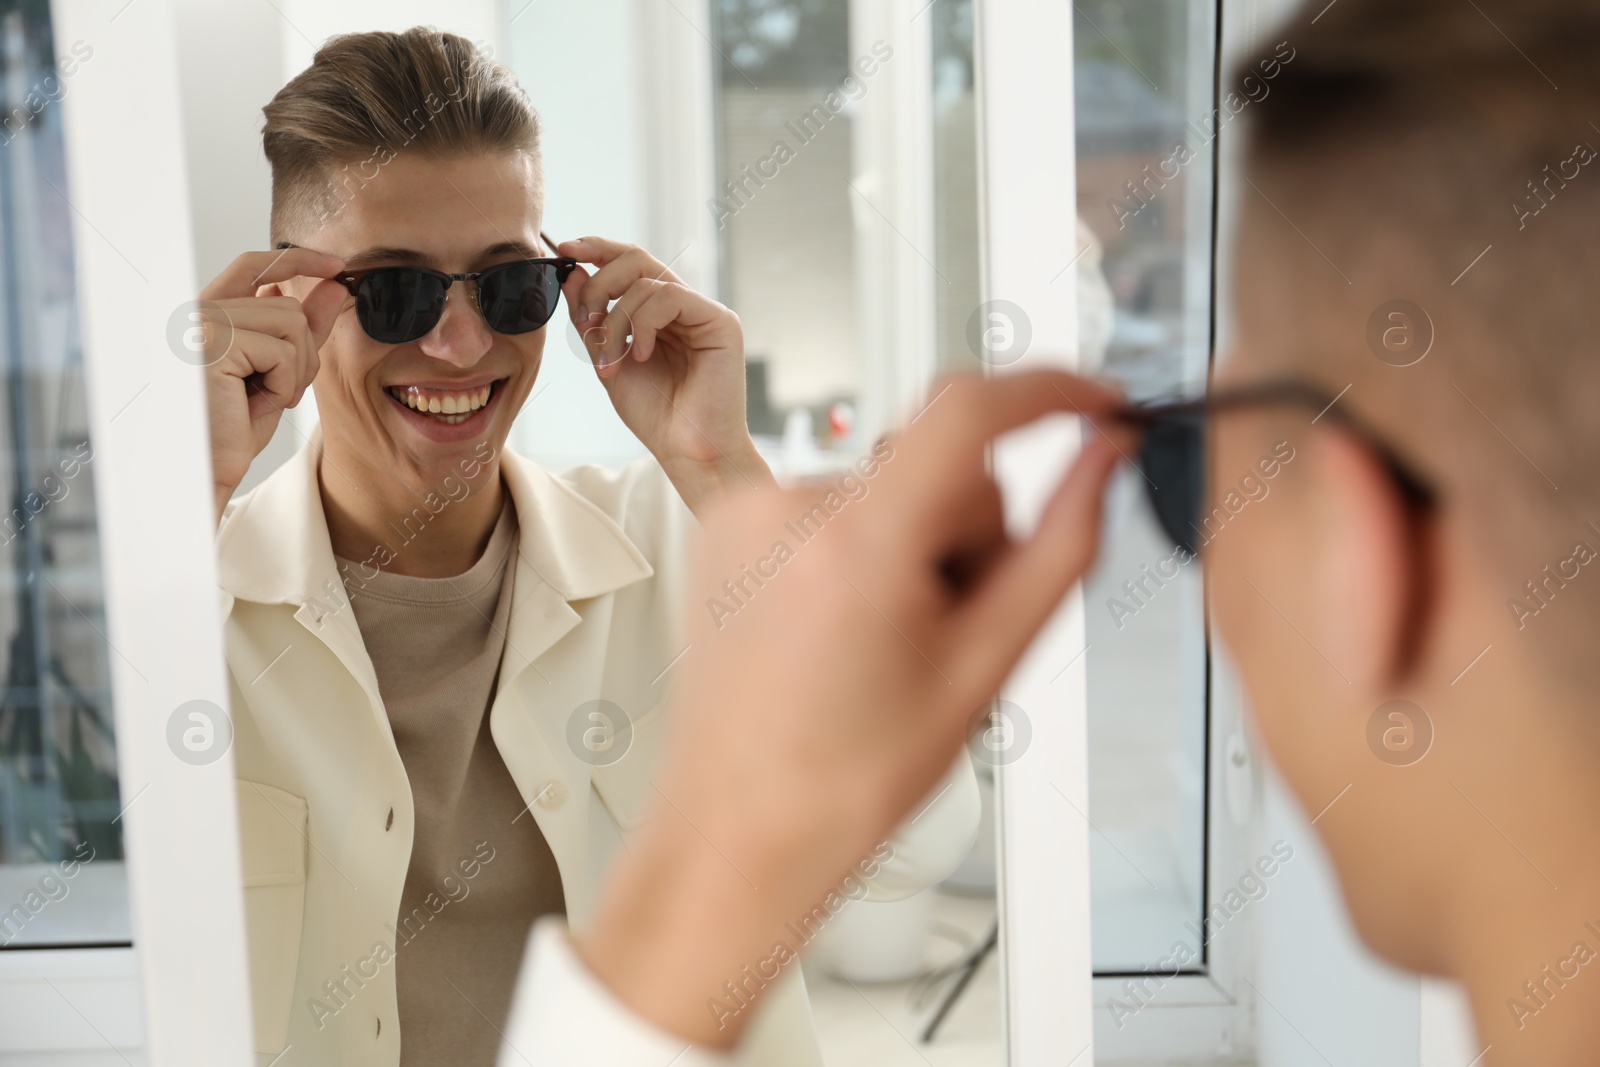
{"points": [[1126, 666], [62, 881], [955, 180], [786, 98], [1172, 786], [846, 208], [1145, 88], [801, 195]]}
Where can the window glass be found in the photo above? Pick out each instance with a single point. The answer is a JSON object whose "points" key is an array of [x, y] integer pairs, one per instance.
{"points": [[955, 181], [1143, 278], [1144, 84], [784, 212], [799, 211], [61, 875]]}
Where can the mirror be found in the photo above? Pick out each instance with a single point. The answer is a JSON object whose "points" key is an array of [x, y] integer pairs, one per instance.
{"points": [[450, 569], [447, 695]]}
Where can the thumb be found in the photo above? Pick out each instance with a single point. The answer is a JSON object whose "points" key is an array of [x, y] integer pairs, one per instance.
{"points": [[322, 306]]}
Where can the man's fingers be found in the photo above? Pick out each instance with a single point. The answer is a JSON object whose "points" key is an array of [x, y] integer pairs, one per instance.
{"points": [[941, 451], [322, 306], [268, 366], [596, 250], [570, 290], [977, 535], [277, 316], [1023, 587], [283, 318], [967, 410], [611, 339], [646, 309], [618, 273], [252, 270]]}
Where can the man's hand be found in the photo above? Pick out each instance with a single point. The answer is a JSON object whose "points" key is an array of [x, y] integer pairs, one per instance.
{"points": [[810, 721], [261, 351], [678, 383]]}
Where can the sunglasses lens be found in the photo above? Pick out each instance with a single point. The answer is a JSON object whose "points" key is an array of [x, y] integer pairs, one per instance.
{"points": [[399, 304], [519, 297], [1173, 460]]}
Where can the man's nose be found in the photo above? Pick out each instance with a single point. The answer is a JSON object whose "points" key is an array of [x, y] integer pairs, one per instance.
{"points": [[461, 336]]}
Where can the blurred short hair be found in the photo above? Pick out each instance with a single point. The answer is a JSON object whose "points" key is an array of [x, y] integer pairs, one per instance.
{"points": [[1444, 152]]}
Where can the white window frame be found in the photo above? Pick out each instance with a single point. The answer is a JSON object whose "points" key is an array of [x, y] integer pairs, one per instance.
{"points": [[1054, 1006], [1028, 217], [891, 151], [1210, 1017], [154, 510], [893, 208]]}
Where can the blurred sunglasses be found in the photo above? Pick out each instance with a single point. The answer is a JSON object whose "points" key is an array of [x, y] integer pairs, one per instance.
{"points": [[399, 304], [1172, 451]]}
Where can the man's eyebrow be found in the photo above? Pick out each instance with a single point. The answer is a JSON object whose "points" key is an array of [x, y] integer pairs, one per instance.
{"points": [[386, 256], [409, 257], [514, 248]]}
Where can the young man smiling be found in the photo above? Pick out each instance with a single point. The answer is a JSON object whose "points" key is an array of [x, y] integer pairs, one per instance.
{"points": [[445, 660]]}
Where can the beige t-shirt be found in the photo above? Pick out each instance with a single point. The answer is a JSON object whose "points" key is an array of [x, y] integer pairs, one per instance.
{"points": [[481, 871]]}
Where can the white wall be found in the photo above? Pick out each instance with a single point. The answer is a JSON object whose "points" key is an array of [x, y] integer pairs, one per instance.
{"points": [[595, 173], [623, 88], [1325, 996], [124, 145]]}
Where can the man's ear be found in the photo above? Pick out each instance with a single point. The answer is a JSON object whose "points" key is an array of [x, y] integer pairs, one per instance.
{"points": [[1371, 575]]}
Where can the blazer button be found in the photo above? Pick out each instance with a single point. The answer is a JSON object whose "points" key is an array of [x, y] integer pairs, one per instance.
{"points": [[553, 795]]}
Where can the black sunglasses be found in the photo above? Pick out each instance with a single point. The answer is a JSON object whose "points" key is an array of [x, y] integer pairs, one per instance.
{"points": [[1172, 453], [399, 304]]}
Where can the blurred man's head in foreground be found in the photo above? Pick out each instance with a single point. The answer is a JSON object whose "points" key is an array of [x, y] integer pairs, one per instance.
{"points": [[1419, 239]]}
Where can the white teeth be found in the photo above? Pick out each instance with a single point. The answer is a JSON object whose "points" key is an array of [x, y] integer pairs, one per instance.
{"points": [[452, 408]]}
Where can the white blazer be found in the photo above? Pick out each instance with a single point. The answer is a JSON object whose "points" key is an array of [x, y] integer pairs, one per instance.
{"points": [[325, 809]]}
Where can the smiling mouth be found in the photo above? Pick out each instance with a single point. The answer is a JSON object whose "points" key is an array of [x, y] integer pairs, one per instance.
{"points": [[449, 406]]}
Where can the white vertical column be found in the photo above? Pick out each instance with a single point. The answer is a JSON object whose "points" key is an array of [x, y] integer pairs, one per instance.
{"points": [[891, 199], [130, 213], [679, 138], [1028, 195], [222, 92]]}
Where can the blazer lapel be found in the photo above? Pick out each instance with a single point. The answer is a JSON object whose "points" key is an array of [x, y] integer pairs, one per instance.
{"points": [[273, 548], [567, 550], [569, 553]]}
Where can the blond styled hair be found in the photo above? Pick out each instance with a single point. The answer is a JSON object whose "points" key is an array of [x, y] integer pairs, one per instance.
{"points": [[366, 98]]}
